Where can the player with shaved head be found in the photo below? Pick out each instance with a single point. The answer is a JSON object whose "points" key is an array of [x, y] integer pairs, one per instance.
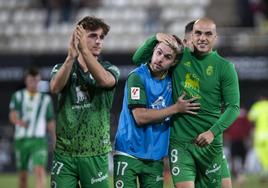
{"points": [[196, 143]]}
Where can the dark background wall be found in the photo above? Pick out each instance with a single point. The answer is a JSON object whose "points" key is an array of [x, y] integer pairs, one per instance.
{"points": [[12, 67]]}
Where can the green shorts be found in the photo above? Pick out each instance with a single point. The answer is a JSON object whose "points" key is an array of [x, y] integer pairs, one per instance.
{"points": [[90, 172], [202, 165], [31, 152], [225, 171], [128, 170]]}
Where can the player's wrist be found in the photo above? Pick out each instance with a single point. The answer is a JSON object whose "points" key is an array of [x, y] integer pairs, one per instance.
{"points": [[17, 122], [176, 109], [70, 59]]}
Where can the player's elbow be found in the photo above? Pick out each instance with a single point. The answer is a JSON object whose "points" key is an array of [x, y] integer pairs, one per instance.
{"points": [[139, 121], [53, 88], [237, 110], [139, 115], [12, 117], [106, 82]]}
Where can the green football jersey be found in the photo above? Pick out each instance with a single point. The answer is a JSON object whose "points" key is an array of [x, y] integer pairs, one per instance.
{"points": [[35, 110], [83, 113], [213, 80]]}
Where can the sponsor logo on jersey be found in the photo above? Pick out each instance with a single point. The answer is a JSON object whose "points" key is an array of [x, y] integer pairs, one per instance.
{"points": [[81, 106], [100, 178], [216, 167], [135, 93], [81, 95], [159, 103], [191, 81]]}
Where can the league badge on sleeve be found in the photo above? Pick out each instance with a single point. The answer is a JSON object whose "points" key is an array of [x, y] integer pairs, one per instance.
{"points": [[135, 93]]}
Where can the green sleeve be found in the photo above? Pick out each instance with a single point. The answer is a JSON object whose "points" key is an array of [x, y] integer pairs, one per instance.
{"points": [[13, 105], [55, 70], [231, 99], [16, 101], [114, 70], [145, 51], [136, 91], [108, 67]]}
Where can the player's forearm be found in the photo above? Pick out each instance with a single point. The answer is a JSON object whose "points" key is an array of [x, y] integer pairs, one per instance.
{"points": [[103, 77], [60, 79], [144, 116], [231, 98], [15, 120], [51, 126], [13, 117], [226, 119], [145, 51]]}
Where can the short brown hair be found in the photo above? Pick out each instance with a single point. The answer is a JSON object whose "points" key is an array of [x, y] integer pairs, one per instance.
{"points": [[32, 71], [93, 23]]}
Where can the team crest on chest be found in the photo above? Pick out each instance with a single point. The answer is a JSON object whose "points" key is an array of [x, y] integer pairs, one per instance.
{"points": [[209, 70]]}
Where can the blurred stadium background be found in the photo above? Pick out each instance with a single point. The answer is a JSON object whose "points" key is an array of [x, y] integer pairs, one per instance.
{"points": [[36, 33]]}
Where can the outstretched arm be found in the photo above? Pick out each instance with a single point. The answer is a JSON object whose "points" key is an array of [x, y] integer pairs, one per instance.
{"points": [[144, 115]]}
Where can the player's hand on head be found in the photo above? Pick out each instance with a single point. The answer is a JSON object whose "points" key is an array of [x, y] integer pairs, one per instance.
{"points": [[171, 40], [163, 37], [204, 139], [177, 44]]}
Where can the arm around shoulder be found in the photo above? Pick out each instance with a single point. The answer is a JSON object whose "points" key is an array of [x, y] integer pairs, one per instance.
{"points": [[144, 116], [144, 51]]}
